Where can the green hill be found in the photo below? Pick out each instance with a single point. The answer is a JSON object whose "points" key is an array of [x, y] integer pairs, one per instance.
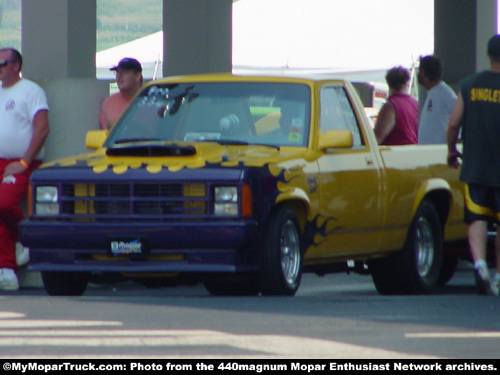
{"points": [[10, 23], [118, 21]]}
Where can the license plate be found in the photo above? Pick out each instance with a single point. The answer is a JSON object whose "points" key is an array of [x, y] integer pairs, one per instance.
{"points": [[128, 247]]}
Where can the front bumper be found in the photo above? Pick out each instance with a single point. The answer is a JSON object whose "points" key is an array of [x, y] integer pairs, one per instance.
{"points": [[223, 246]]}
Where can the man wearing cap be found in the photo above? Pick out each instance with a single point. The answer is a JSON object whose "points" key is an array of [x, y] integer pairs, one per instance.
{"points": [[477, 112], [129, 81]]}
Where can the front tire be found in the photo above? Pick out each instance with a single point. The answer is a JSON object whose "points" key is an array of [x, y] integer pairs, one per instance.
{"points": [[415, 269], [65, 283], [282, 255]]}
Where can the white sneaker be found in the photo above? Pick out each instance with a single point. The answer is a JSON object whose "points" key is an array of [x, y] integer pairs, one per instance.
{"points": [[8, 279], [484, 282], [22, 254], [496, 282]]}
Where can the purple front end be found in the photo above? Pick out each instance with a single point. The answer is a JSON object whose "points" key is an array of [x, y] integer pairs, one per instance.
{"points": [[139, 221]]}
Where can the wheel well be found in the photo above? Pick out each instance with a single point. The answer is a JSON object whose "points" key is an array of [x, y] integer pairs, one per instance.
{"points": [[299, 207], [441, 200]]}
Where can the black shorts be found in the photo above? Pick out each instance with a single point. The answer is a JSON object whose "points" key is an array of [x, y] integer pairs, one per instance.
{"points": [[481, 203]]}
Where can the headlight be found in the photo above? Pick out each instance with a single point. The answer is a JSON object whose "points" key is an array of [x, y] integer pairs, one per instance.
{"points": [[226, 194], [226, 201], [46, 201], [47, 194]]}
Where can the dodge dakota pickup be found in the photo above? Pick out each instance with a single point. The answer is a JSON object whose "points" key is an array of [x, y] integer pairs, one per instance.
{"points": [[244, 182]]}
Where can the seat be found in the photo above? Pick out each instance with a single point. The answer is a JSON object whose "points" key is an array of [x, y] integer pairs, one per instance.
{"points": [[268, 123]]}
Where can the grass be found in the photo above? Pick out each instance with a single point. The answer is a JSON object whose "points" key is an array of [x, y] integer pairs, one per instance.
{"points": [[10, 23], [118, 21]]}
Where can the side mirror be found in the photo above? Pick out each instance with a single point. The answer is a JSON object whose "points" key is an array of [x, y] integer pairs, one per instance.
{"points": [[335, 139], [95, 139]]}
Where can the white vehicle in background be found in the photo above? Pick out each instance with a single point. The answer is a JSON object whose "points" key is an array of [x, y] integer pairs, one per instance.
{"points": [[373, 96]]}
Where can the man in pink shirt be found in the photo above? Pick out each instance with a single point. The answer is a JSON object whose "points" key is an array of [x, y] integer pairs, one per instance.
{"points": [[129, 81]]}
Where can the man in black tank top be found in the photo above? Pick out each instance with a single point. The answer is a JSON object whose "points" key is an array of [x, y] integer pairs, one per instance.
{"points": [[477, 114]]}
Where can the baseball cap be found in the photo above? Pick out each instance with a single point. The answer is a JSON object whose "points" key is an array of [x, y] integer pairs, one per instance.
{"points": [[494, 46], [128, 63]]}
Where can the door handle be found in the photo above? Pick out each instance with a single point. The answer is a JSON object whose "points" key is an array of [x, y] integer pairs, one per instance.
{"points": [[369, 161]]}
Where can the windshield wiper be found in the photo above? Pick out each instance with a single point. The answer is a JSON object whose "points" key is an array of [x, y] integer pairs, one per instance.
{"points": [[129, 140], [236, 142]]}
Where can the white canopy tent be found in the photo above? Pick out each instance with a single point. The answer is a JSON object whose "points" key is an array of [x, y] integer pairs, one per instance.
{"points": [[359, 39], [148, 50]]}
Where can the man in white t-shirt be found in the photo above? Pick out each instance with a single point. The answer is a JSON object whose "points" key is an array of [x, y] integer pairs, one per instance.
{"points": [[24, 126], [438, 103]]}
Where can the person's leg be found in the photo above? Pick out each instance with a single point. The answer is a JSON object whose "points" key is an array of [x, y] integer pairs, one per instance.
{"points": [[481, 203], [497, 250], [12, 191], [478, 236], [6, 257], [11, 214], [477, 245], [496, 279]]}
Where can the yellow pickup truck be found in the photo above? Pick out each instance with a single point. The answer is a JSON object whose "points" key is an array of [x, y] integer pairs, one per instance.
{"points": [[244, 183]]}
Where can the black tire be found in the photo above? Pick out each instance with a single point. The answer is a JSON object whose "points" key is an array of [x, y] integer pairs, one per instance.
{"points": [[65, 283], [106, 278], [282, 255], [448, 268], [232, 285], [415, 269]]}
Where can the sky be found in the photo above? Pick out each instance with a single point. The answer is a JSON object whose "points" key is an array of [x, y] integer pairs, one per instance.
{"points": [[318, 35], [333, 34]]}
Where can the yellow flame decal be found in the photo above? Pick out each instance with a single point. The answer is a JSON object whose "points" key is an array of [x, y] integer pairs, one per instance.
{"points": [[101, 163]]}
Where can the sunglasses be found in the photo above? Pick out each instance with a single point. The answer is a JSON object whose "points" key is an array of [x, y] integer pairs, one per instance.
{"points": [[4, 62]]}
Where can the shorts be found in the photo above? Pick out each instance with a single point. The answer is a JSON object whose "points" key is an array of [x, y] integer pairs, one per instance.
{"points": [[481, 203]]}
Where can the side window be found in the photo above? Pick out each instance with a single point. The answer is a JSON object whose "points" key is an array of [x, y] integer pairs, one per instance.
{"points": [[337, 112]]}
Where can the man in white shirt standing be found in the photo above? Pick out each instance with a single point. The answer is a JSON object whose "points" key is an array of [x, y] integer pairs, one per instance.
{"points": [[24, 126], [438, 103]]}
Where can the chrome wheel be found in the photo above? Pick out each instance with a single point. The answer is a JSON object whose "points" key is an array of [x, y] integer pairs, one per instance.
{"points": [[290, 252], [424, 246]]}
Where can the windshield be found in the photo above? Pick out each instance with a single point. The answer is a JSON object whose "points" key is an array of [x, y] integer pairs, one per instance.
{"points": [[274, 114]]}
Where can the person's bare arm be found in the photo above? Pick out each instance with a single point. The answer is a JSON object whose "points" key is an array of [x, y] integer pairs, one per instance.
{"points": [[386, 120], [454, 125], [40, 133]]}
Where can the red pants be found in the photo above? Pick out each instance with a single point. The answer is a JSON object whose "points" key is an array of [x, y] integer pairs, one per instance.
{"points": [[12, 192]]}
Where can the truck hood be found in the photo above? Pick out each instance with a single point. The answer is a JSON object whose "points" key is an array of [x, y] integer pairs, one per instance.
{"points": [[189, 156]]}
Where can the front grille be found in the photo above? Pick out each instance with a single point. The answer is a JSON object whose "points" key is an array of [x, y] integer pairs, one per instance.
{"points": [[133, 201]]}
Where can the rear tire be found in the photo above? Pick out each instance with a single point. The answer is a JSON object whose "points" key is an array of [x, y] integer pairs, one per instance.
{"points": [[416, 268], [65, 283], [448, 268]]}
